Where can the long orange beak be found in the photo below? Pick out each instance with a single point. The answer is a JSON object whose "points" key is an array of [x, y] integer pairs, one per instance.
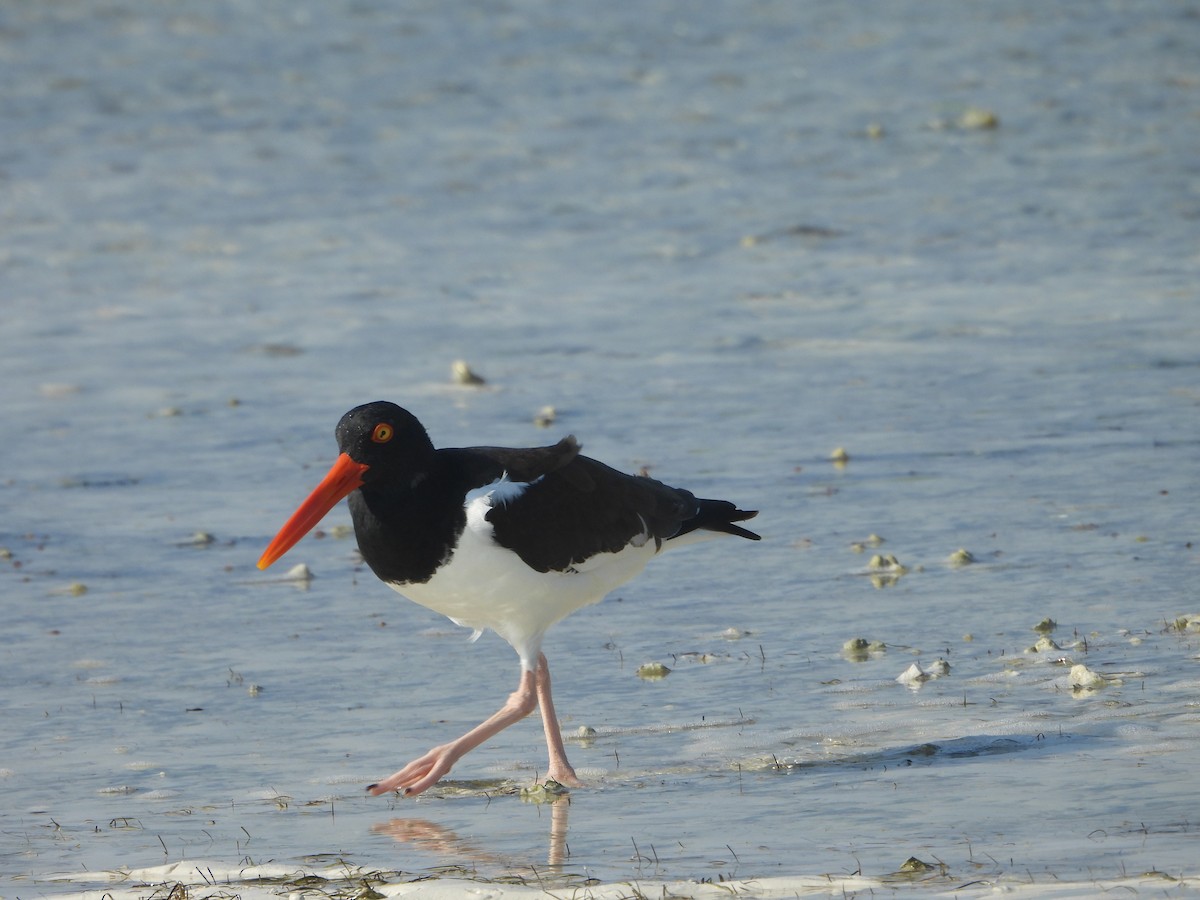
{"points": [[345, 476]]}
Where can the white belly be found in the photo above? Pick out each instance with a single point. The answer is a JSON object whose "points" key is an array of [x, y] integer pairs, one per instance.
{"points": [[484, 585]]}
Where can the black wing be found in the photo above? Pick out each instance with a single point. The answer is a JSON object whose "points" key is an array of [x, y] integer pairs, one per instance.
{"points": [[576, 507]]}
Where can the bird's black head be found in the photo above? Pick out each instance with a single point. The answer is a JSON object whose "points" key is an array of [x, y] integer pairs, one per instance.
{"points": [[387, 438], [384, 450]]}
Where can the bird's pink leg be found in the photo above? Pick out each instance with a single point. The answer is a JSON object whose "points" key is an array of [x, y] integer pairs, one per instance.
{"points": [[560, 769], [425, 772]]}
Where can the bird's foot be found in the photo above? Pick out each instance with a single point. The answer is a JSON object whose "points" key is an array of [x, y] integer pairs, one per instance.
{"points": [[564, 775], [419, 775]]}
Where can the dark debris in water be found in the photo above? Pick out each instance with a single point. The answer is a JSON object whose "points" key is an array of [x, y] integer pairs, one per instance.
{"points": [[914, 866], [108, 481], [917, 754], [274, 349]]}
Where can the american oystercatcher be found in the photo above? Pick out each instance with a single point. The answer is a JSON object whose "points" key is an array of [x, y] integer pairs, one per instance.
{"points": [[507, 539]]}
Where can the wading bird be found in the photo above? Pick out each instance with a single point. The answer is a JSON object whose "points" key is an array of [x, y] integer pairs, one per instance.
{"points": [[507, 539]]}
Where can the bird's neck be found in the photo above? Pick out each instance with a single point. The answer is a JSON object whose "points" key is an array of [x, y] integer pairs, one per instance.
{"points": [[405, 527]]}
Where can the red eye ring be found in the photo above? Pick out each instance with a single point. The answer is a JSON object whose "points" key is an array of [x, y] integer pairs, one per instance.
{"points": [[382, 433]]}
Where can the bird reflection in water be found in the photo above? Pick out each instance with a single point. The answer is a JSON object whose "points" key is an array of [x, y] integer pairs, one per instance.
{"points": [[430, 837]]}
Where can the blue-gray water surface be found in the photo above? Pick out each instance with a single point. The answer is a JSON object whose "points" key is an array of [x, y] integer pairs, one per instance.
{"points": [[957, 240]]}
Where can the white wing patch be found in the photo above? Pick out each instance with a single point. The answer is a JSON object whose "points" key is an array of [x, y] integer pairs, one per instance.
{"points": [[639, 540], [481, 500]]}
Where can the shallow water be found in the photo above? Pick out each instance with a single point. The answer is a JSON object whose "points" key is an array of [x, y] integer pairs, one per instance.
{"points": [[222, 225]]}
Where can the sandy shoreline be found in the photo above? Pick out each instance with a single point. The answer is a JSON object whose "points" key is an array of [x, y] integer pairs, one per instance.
{"points": [[192, 879]]}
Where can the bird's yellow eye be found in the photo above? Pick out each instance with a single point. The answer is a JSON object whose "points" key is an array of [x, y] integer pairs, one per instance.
{"points": [[382, 433]]}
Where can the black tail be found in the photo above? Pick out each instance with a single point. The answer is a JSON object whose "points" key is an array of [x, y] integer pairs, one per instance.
{"points": [[719, 515]]}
